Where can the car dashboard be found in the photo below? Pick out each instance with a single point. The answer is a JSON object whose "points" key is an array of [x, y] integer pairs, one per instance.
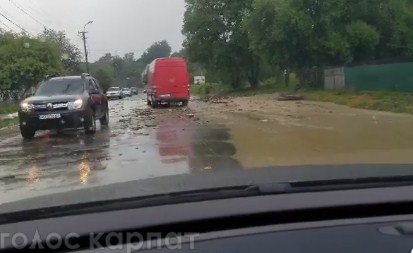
{"points": [[354, 220]]}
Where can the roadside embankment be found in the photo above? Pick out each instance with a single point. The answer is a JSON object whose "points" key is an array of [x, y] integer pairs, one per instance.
{"points": [[381, 101]]}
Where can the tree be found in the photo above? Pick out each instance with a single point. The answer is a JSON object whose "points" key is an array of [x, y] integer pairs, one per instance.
{"points": [[303, 34], [157, 50], [215, 38], [70, 54], [106, 58], [26, 61], [104, 77], [181, 53]]}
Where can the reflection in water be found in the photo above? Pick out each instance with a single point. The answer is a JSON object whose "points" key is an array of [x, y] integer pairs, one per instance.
{"points": [[84, 170], [54, 160], [205, 149], [33, 176]]}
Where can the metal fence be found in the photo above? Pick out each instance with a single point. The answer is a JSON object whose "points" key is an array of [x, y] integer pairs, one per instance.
{"points": [[383, 77]]}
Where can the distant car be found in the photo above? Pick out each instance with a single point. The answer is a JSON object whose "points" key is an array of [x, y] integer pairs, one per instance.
{"points": [[134, 90], [115, 92], [62, 103], [127, 92]]}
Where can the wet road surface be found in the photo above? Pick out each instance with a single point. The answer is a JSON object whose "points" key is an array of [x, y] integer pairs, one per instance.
{"points": [[139, 143], [207, 137]]}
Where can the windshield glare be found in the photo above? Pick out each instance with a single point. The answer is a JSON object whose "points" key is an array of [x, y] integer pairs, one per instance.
{"points": [[61, 87]]}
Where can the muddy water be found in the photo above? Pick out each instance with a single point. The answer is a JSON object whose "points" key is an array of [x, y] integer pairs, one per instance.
{"points": [[270, 133], [139, 143], [208, 137]]}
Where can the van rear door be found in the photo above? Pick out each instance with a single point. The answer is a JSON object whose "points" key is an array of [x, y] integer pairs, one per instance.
{"points": [[172, 78]]}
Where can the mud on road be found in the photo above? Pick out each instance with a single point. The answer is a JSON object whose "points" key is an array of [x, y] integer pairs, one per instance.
{"points": [[268, 132], [207, 137], [139, 143]]}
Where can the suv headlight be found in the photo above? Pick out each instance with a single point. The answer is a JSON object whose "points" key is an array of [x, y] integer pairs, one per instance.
{"points": [[26, 107], [76, 105]]}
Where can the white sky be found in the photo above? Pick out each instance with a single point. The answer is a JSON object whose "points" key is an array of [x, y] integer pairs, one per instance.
{"points": [[119, 26]]}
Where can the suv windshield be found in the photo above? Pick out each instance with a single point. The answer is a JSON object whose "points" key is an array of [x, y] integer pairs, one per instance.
{"points": [[114, 89], [61, 87]]}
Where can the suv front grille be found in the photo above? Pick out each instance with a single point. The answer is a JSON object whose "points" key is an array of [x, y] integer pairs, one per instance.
{"points": [[51, 107]]}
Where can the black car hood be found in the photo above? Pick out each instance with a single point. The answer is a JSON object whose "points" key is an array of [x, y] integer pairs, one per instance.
{"points": [[52, 99], [193, 182]]}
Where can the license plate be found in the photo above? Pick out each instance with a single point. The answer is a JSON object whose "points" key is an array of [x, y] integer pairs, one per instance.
{"points": [[50, 116]]}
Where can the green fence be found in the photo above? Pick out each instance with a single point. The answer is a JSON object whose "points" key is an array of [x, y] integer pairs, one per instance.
{"points": [[386, 77]]}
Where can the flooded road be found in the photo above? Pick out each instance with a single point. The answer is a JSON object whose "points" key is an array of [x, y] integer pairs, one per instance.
{"points": [[139, 143], [207, 137]]}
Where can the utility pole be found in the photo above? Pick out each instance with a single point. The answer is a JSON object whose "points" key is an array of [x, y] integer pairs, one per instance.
{"points": [[84, 44]]}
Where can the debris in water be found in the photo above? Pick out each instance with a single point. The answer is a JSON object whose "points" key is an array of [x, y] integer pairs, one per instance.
{"points": [[264, 120], [208, 168], [285, 97]]}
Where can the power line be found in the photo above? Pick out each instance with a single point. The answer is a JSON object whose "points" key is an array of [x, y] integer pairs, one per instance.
{"points": [[28, 14], [34, 10], [8, 27], [11, 21]]}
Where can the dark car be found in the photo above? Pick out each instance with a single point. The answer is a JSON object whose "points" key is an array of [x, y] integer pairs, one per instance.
{"points": [[64, 103]]}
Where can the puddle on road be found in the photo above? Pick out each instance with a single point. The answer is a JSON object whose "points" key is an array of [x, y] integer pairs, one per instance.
{"points": [[143, 143], [160, 143], [359, 137]]}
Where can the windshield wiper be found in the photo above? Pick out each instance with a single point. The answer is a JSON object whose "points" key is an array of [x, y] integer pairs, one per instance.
{"points": [[209, 194]]}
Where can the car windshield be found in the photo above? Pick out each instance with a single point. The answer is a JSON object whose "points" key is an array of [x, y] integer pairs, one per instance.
{"points": [[61, 87], [225, 93]]}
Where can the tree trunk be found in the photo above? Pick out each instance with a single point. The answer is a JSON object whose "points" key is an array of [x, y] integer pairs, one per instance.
{"points": [[253, 77], [287, 77]]}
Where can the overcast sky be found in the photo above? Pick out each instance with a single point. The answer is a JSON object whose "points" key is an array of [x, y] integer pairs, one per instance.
{"points": [[119, 26]]}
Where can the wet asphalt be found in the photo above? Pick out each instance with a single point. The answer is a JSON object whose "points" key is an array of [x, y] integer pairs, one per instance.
{"points": [[139, 143], [226, 135]]}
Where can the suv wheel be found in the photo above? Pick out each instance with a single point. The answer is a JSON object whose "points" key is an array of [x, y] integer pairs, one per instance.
{"points": [[105, 119], [27, 132], [90, 123]]}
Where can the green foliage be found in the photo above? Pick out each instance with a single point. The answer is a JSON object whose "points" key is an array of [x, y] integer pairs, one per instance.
{"points": [[104, 78], [181, 53], [157, 50], [216, 39], [208, 89], [8, 122], [126, 71], [302, 34], [26, 61], [70, 54], [383, 101], [8, 108]]}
